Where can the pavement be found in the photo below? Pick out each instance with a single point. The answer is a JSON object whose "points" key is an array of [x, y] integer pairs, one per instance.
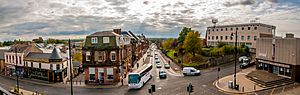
{"points": [[246, 86]]}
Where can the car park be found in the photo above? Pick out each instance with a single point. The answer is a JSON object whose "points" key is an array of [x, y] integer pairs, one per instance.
{"points": [[190, 71]]}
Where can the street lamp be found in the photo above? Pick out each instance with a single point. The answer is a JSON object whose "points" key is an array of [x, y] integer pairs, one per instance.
{"points": [[16, 51], [235, 56]]}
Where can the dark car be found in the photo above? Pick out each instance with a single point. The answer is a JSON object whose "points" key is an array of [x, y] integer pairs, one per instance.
{"points": [[162, 74]]}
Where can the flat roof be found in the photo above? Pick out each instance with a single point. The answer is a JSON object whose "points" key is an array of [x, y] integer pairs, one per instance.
{"points": [[239, 25]]}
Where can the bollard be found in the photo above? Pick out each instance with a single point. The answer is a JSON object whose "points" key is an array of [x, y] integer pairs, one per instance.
{"points": [[79, 82]]}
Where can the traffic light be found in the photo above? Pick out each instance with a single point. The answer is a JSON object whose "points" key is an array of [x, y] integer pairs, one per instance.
{"points": [[192, 88], [153, 88]]}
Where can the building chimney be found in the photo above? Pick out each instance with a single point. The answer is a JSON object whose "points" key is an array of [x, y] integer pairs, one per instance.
{"points": [[289, 35], [118, 31]]}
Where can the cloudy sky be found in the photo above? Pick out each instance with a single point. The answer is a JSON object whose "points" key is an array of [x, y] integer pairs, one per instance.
{"points": [[28, 19]]}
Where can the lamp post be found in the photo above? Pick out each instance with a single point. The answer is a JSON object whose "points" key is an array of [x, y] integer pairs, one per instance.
{"points": [[235, 56]]}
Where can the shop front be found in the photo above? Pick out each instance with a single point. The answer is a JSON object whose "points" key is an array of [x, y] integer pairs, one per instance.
{"points": [[280, 69]]}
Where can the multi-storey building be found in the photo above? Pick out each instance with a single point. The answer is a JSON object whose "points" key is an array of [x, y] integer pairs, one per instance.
{"points": [[280, 56], [102, 56], [247, 34], [52, 67], [2, 62], [15, 55]]}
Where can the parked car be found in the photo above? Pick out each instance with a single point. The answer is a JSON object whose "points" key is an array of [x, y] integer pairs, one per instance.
{"points": [[190, 71], [162, 74], [158, 65], [167, 66]]}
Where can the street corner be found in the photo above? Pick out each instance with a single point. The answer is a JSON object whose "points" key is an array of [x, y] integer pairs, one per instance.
{"points": [[245, 86]]}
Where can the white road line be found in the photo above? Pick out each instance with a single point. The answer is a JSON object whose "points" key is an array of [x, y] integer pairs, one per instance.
{"points": [[169, 71]]}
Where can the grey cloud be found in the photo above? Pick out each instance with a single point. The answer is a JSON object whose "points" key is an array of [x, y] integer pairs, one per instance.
{"points": [[241, 2], [57, 5], [117, 2], [31, 26], [273, 1]]}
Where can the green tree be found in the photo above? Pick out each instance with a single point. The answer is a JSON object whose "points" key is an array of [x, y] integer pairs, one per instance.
{"points": [[1, 44], [39, 40], [77, 57], [192, 43], [167, 44], [183, 33]]}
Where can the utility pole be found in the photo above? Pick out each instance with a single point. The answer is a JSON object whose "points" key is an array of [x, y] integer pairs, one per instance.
{"points": [[235, 57], [71, 74], [17, 74]]}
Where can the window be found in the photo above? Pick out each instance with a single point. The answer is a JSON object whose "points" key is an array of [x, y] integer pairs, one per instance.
{"points": [[94, 40], [217, 37], [248, 38], [88, 56], [231, 29], [248, 28], [217, 29], [113, 56], [212, 37], [255, 38], [51, 67], [105, 39], [237, 28], [31, 64], [208, 37], [40, 65], [213, 30], [243, 38], [208, 30], [92, 75], [226, 29], [221, 37], [20, 60], [255, 28], [242, 28], [110, 73], [221, 29], [226, 37], [100, 56], [57, 66]]}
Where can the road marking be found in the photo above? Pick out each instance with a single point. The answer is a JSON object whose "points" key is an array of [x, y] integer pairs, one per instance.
{"points": [[159, 88], [204, 85]]}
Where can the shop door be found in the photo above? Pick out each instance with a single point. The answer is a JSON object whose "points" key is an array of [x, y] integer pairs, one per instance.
{"points": [[275, 69]]}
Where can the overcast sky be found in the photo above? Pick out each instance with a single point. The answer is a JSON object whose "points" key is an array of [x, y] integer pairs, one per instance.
{"points": [[63, 19]]}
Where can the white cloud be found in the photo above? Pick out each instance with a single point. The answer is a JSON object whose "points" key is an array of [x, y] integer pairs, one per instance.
{"points": [[62, 18]]}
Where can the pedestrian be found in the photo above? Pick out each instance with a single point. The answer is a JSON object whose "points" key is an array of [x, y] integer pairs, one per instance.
{"points": [[137, 65], [122, 82]]}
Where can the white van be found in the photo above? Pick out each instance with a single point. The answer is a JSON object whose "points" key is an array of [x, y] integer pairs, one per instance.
{"points": [[190, 71]]}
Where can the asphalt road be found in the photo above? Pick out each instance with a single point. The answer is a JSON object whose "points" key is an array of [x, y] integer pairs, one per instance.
{"points": [[174, 84]]}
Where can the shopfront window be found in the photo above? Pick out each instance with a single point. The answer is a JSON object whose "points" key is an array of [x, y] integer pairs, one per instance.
{"points": [[110, 73], [281, 71], [92, 74], [288, 72]]}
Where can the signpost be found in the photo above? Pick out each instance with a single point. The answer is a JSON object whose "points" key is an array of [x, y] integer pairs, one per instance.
{"points": [[190, 88]]}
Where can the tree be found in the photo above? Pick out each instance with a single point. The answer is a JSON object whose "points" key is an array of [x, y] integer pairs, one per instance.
{"points": [[183, 33], [1, 44], [77, 57], [167, 44], [192, 43], [39, 40]]}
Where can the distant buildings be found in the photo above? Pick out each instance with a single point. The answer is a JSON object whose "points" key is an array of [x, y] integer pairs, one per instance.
{"points": [[108, 55], [247, 34], [281, 58]]}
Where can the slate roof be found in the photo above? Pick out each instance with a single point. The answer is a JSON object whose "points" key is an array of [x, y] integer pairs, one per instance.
{"points": [[55, 54], [35, 55], [104, 33]]}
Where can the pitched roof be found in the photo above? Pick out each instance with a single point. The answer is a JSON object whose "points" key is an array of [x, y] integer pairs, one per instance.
{"points": [[22, 48], [36, 55], [104, 33], [2, 53], [55, 54], [131, 34]]}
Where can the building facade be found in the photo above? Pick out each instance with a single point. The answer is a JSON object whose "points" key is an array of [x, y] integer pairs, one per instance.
{"points": [[247, 34], [102, 56], [15, 55], [50, 67], [2, 60], [280, 56]]}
